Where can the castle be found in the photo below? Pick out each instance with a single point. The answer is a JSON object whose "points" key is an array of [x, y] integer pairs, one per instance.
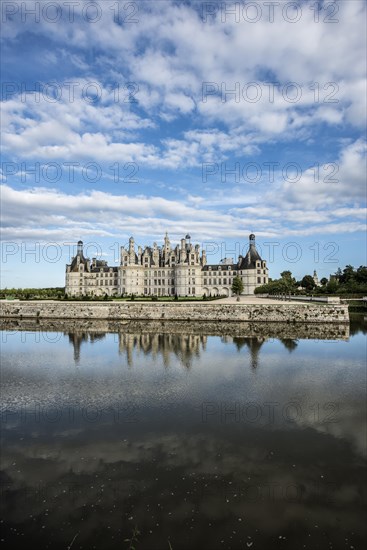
{"points": [[164, 271]]}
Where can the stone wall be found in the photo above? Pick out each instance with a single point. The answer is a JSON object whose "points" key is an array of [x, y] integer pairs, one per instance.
{"points": [[289, 313]]}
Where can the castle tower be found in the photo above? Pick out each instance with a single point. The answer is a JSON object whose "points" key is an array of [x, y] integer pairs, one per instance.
{"points": [[131, 251], [252, 269], [181, 271], [203, 258], [166, 250], [131, 245], [183, 251]]}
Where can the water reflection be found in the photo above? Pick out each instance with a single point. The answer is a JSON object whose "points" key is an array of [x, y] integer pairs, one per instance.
{"points": [[198, 437], [358, 323], [184, 346], [77, 338], [184, 340]]}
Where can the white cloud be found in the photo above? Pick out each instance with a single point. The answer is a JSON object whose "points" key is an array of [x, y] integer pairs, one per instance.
{"points": [[171, 51], [299, 209], [35, 128], [169, 54]]}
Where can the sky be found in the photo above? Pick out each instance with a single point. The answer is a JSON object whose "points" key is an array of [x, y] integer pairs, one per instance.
{"points": [[217, 119]]}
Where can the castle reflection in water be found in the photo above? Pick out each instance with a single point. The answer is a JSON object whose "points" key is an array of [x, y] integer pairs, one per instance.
{"points": [[182, 341], [184, 347]]}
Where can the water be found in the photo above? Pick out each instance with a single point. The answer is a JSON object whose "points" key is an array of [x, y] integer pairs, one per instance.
{"points": [[183, 436]]}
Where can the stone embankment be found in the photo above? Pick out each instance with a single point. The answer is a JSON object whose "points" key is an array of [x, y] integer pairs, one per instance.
{"points": [[168, 311], [243, 329]]}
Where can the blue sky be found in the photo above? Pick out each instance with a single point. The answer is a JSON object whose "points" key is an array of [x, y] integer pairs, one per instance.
{"points": [[214, 119]]}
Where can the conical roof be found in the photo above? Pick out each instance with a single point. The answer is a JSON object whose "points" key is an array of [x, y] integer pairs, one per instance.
{"points": [[252, 256], [79, 255]]}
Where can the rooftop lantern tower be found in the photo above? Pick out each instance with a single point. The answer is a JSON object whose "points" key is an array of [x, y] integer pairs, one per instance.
{"points": [[188, 242]]}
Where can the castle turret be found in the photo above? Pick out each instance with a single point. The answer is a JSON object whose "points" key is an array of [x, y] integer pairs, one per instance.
{"points": [[183, 251], [131, 245], [79, 259], [132, 255], [203, 258], [76, 271], [188, 243], [252, 259], [166, 250], [251, 268]]}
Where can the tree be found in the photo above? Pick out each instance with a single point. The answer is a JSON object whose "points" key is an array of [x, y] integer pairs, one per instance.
{"points": [[324, 281], [307, 282], [347, 275], [361, 274], [287, 283], [237, 286], [338, 273], [332, 286]]}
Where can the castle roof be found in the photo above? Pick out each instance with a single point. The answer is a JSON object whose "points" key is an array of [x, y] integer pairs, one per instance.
{"points": [[249, 261], [82, 260]]}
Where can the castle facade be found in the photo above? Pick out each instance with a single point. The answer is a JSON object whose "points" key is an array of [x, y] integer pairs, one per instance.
{"points": [[164, 271]]}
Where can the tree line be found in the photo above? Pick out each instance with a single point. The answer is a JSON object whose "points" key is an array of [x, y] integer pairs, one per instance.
{"points": [[346, 281], [55, 293]]}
